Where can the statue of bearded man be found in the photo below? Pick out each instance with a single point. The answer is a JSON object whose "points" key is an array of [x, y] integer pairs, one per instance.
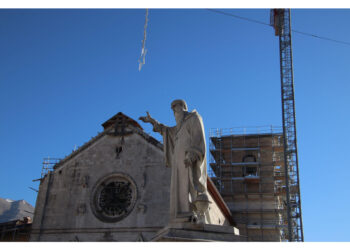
{"points": [[185, 153]]}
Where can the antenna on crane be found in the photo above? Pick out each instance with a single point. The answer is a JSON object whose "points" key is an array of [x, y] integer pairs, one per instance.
{"points": [[280, 20]]}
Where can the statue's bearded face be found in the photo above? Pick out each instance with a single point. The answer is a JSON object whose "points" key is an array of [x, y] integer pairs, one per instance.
{"points": [[179, 112]]}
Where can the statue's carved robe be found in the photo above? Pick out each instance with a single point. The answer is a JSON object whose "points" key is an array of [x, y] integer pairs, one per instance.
{"points": [[186, 182]]}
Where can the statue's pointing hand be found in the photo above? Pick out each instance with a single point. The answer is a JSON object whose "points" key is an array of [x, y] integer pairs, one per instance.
{"points": [[147, 118]]}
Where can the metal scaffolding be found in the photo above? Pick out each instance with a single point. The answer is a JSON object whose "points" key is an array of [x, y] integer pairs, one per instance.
{"points": [[247, 166], [48, 164]]}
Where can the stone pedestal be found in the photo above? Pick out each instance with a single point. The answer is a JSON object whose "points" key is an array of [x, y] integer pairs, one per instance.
{"points": [[186, 231]]}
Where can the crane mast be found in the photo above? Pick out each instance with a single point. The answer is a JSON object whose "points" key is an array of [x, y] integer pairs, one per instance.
{"points": [[280, 20]]}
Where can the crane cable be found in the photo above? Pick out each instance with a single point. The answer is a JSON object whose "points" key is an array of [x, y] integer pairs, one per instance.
{"points": [[263, 23]]}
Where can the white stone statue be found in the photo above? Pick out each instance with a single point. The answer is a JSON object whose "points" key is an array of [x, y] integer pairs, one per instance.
{"points": [[185, 153]]}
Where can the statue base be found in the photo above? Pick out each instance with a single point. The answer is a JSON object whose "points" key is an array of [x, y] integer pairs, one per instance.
{"points": [[187, 231]]}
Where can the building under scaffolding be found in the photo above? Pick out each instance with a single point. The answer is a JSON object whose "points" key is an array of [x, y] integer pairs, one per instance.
{"points": [[247, 166], [16, 230]]}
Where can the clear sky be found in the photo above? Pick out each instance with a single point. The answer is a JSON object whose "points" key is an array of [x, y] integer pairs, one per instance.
{"points": [[65, 72]]}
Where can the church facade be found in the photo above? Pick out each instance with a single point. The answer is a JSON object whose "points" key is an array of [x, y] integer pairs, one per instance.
{"points": [[116, 187]]}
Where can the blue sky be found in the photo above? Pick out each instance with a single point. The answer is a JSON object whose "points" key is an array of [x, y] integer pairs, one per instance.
{"points": [[64, 72]]}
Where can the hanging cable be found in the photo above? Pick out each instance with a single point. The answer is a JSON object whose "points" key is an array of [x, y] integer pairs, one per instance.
{"points": [[263, 23], [320, 37], [143, 50], [239, 17]]}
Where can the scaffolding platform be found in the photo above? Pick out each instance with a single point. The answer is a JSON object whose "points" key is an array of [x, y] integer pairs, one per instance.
{"points": [[247, 167]]}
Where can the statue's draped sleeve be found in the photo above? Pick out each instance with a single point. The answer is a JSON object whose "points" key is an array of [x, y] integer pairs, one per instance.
{"points": [[168, 140], [196, 131], [197, 147]]}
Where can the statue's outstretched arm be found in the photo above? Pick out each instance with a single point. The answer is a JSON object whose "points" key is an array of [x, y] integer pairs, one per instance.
{"points": [[157, 127]]}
